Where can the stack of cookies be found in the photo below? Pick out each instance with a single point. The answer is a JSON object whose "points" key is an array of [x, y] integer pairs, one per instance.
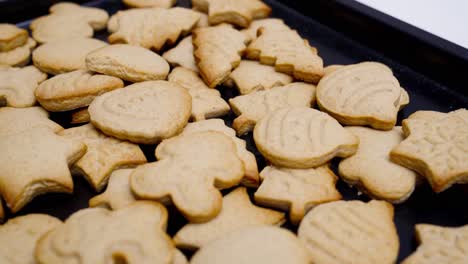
{"points": [[157, 82]]}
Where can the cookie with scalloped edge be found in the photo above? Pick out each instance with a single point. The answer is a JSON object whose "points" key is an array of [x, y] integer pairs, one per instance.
{"points": [[104, 154], [259, 244], [251, 177], [19, 56], [366, 93], [288, 52], [237, 213], [252, 30], [436, 147], [34, 162], [149, 3], [80, 116], [17, 85], [251, 76], [236, 12], [157, 27], [371, 169], [252, 107], [302, 137], [96, 235], [12, 37], [206, 102], [118, 193], [16, 120], [189, 172], [182, 55], [18, 237], [145, 112], [296, 190], [72, 90], [217, 52], [65, 55], [439, 244]]}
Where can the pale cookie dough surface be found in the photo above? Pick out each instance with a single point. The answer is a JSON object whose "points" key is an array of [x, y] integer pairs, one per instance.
{"points": [[217, 51], [145, 112], [252, 76], [16, 120], [302, 138], [104, 154], [189, 173], [252, 31], [182, 55], [12, 37], [59, 27], [260, 245], [72, 90], [350, 232], [236, 12], [150, 3], [252, 107], [238, 213], [117, 194], [35, 162], [134, 234], [296, 190], [18, 237], [65, 55], [436, 147], [19, 56], [371, 169], [17, 85], [130, 63], [97, 18], [206, 102], [361, 94]]}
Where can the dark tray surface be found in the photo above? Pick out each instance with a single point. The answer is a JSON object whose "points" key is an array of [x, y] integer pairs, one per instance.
{"points": [[424, 206]]}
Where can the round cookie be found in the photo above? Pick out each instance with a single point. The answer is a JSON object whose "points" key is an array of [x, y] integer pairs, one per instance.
{"points": [[302, 138], [146, 112]]}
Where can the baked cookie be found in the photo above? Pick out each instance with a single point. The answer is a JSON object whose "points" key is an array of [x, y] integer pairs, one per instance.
{"points": [[145, 112], [217, 51], [80, 116], [134, 234], [237, 213], [260, 245], [435, 147], [237, 12], [67, 21], [17, 85], [12, 37], [252, 30], [65, 55], [203, 22], [118, 193], [371, 169], [182, 55], [72, 90], [19, 56], [130, 63], [338, 232], [288, 52], [179, 258], [104, 154], [251, 177], [252, 76], [35, 162], [149, 3], [189, 171], [253, 107], [296, 190], [18, 237], [302, 138], [440, 244], [157, 27], [206, 103], [361, 94], [16, 120]]}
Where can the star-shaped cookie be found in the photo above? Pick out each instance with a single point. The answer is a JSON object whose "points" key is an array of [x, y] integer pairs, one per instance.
{"points": [[118, 193], [17, 85], [182, 55], [440, 244], [296, 190], [436, 146], [16, 120], [238, 213], [104, 154], [35, 162]]}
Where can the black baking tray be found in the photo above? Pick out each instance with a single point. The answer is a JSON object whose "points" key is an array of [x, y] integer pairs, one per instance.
{"points": [[431, 69]]}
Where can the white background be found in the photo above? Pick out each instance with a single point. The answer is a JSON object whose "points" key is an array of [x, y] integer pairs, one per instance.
{"points": [[447, 19]]}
